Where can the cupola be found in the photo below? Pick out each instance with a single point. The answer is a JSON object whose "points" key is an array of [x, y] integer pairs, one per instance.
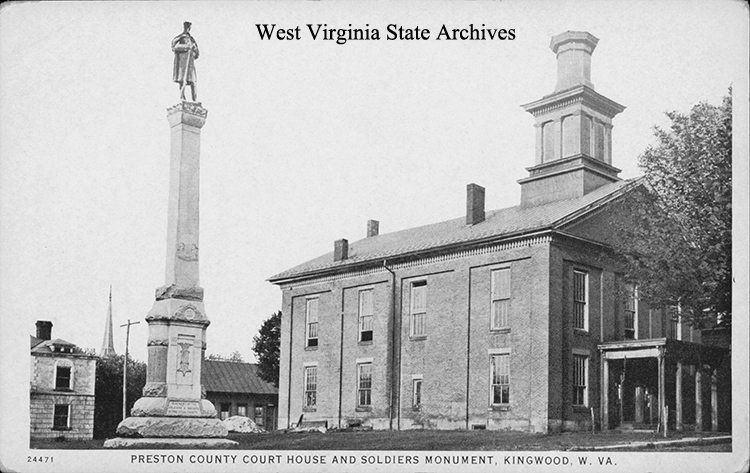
{"points": [[573, 128]]}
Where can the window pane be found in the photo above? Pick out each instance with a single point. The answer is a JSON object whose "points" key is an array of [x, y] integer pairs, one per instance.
{"points": [[365, 384], [500, 379], [312, 310], [580, 363], [63, 377], [312, 322], [365, 315], [417, 393], [60, 420], [580, 300], [419, 297], [365, 303], [500, 313], [418, 324], [311, 385], [501, 283]]}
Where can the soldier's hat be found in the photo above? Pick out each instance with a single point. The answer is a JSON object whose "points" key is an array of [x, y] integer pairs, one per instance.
{"points": [[187, 24]]}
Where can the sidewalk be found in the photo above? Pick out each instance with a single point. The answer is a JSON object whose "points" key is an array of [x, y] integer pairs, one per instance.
{"points": [[683, 442]]}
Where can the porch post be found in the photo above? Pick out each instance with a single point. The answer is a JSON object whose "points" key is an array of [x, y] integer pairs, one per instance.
{"points": [[714, 401], [639, 404], [698, 398], [678, 397], [605, 394], [662, 394]]}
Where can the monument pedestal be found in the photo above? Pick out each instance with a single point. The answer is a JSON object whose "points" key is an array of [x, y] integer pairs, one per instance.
{"points": [[173, 410]]}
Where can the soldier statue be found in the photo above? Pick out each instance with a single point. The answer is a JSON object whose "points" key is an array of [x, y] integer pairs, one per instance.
{"points": [[185, 53]]}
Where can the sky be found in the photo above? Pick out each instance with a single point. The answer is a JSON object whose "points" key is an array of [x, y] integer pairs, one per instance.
{"points": [[305, 140]]}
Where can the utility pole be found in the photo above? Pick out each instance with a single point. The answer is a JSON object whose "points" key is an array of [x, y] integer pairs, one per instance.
{"points": [[125, 368]]}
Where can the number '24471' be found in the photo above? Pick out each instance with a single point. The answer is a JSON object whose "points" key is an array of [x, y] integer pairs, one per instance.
{"points": [[32, 459]]}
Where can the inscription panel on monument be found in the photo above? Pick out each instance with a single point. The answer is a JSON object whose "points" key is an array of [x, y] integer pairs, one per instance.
{"points": [[184, 408]]}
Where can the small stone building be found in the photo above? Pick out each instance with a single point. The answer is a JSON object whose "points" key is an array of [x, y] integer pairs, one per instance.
{"points": [[62, 387], [236, 390], [518, 318]]}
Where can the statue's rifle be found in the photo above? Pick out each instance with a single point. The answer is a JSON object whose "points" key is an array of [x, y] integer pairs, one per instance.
{"points": [[187, 69]]}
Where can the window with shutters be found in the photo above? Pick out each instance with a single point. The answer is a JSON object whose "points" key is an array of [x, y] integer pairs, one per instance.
{"points": [[500, 299], [311, 318], [418, 308], [365, 315]]}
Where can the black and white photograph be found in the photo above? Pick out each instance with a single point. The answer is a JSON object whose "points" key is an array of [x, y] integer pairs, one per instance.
{"points": [[400, 236]]}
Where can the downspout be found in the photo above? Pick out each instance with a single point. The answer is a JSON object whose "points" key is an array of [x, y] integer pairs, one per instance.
{"points": [[341, 357], [468, 348], [289, 383], [393, 344]]}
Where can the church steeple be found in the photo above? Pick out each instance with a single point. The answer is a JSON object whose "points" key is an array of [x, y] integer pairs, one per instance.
{"points": [[108, 345], [573, 128]]}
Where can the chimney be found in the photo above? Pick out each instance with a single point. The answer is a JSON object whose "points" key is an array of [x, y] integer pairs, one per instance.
{"points": [[44, 329], [373, 228], [573, 50], [340, 249], [474, 204]]}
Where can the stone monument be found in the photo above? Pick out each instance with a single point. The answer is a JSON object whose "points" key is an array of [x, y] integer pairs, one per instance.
{"points": [[173, 410]]}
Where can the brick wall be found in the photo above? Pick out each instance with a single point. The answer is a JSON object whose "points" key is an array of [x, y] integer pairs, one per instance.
{"points": [[458, 294]]}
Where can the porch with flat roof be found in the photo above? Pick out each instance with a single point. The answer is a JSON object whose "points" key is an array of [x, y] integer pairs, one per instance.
{"points": [[662, 382]]}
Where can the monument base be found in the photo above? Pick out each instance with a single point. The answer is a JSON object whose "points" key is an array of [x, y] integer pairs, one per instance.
{"points": [[172, 427], [169, 443]]}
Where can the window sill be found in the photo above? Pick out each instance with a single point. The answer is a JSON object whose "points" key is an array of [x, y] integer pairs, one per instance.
{"points": [[499, 407], [313, 348], [578, 408], [416, 338], [309, 409], [366, 342], [363, 409], [582, 332], [63, 390], [500, 330], [62, 428], [416, 409]]}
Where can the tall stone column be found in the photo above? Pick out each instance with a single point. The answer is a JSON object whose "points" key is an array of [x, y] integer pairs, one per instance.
{"points": [[173, 409]]}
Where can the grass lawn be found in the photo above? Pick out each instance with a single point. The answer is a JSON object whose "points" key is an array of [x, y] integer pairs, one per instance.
{"points": [[432, 440]]}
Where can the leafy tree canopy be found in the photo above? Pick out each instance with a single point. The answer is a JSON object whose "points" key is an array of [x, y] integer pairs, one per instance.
{"points": [[266, 347], [108, 392], [235, 356], [677, 238]]}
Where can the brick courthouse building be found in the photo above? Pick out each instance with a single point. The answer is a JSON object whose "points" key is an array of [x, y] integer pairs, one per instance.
{"points": [[516, 318]]}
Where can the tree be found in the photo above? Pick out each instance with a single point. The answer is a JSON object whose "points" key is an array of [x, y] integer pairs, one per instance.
{"points": [[677, 236], [266, 347], [108, 392], [236, 356]]}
